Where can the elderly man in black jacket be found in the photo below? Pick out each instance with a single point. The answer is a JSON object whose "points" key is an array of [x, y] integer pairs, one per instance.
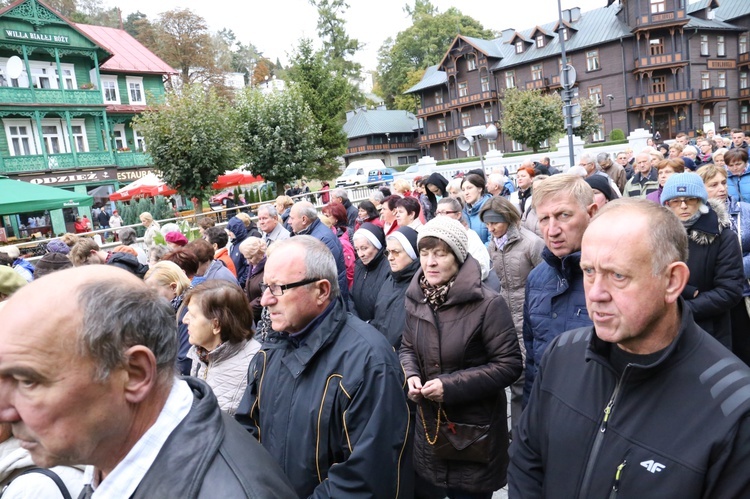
{"points": [[92, 381], [325, 394], [644, 403]]}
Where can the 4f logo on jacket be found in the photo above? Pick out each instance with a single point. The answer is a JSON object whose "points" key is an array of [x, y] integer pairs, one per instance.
{"points": [[652, 466]]}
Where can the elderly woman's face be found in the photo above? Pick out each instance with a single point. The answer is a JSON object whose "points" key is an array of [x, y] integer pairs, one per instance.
{"points": [[717, 187], [438, 264], [398, 259], [719, 160], [664, 174], [365, 250], [497, 229], [403, 217]]}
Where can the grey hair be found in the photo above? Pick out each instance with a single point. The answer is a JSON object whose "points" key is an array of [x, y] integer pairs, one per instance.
{"points": [[269, 209], [587, 158], [157, 252], [319, 261], [377, 196], [128, 236], [340, 193], [306, 209], [117, 316], [666, 235], [602, 157]]}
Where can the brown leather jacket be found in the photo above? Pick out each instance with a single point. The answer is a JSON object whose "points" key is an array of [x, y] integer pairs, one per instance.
{"points": [[470, 343]]}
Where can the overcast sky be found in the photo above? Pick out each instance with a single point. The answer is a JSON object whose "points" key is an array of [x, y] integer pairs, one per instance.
{"points": [[275, 26]]}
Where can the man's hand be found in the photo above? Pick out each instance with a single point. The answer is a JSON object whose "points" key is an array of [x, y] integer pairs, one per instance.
{"points": [[433, 390], [415, 388]]}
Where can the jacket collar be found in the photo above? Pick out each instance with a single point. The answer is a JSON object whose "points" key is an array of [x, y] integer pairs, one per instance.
{"points": [[466, 288], [407, 272], [565, 266]]}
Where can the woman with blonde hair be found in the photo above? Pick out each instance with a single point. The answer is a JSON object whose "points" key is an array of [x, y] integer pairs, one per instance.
{"points": [[152, 228], [171, 282], [402, 187], [283, 206]]}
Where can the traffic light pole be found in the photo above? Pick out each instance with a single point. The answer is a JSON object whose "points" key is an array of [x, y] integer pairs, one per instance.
{"points": [[567, 88]]}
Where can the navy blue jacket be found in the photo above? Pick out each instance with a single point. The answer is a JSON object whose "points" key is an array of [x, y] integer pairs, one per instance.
{"points": [[554, 303], [320, 231], [237, 227]]}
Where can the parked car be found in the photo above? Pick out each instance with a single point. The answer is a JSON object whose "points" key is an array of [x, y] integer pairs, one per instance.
{"points": [[364, 171]]}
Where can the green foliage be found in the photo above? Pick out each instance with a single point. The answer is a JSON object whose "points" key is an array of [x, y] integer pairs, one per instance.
{"points": [[328, 96], [192, 139], [279, 136], [130, 211], [616, 134], [423, 44], [590, 119], [529, 117], [338, 47]]}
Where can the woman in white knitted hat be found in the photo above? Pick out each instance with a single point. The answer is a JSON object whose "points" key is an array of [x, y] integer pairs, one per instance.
{"points": [[459, 351]]}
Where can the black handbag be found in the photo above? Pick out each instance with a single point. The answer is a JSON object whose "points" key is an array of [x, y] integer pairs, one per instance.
{"points": [[459, 441]]}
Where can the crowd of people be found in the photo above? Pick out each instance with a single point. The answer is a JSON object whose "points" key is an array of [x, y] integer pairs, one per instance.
{"points": [[365, 350]]}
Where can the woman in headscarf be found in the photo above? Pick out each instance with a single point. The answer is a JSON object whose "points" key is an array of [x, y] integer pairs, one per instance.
{"points": [[459, 352], [714, 257], [370, 271]]}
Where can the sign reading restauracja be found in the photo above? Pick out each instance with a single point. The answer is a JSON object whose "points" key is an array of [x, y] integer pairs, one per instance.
{"points": [[39, 37]]}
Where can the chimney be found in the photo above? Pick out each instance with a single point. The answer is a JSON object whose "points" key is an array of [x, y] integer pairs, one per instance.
{"points": [[507, 34], [575, 14]]}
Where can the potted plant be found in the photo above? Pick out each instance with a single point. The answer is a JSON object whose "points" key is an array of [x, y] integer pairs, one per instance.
{"points": [[86, 86]]}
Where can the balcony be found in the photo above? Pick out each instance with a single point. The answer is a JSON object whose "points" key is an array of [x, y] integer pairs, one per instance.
{"points": [[434, 109], [132, 159], [537, 84], [660, 19], [744, 59], [659, 100], [393, 146], [659, 61], [745, 93], [14, 164], [13, 95], [713, 94], [554, 82], [439, 137], [480, 97]]}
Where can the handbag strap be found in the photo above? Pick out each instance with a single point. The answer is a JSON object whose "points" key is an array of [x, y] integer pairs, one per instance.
{"points": [[52, 476]]}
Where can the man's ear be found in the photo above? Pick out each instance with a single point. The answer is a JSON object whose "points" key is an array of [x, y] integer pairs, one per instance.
{"points": [[324, 291], [677, 274], [140, 370], [592, 209]]}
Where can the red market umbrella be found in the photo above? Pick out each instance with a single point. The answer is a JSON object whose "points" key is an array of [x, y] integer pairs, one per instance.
{"points": [[234, 178], [148, 185]]}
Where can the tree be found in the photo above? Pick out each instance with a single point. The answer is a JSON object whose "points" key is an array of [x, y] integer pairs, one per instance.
{"points": [[590, 119], [529, 117], [184, 42], [327, 94], [409, 102], [191, 139], [278, 134], [338, 47], [423, 44]]}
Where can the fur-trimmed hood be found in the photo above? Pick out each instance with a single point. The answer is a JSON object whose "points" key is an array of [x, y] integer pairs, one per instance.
{"points": [[709, 226]]}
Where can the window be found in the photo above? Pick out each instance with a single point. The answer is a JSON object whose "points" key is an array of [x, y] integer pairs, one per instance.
{"points": [[52, 137], [110, 91], [438, 97], [485, 81], [463, 89], [465, 119], [121, 142], [706, 114], [704, 45], [536, 72], [135, 90], [139, 140], [20, 138], [441, 125], [516, 146], [540, 41], [41, 77], [446, 154], [743, 79], [79, 135], [595, 94], [491, 145], [488, 115], [510, 79], [722, 79], [744, 114], [658, 85], [599, 135], [471, 62], [742, 45], [592, 60], [723, 116], [519, 47], [720, 46], [705, 80], [658, 6], [656, 46], [68, 78]]}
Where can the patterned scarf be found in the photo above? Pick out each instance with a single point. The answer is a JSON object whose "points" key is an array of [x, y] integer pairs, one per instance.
{"points": [[435, 295]]}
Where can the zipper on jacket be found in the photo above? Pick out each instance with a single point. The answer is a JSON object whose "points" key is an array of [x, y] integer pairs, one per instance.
{"points": [[599, 440], [618, 475]]}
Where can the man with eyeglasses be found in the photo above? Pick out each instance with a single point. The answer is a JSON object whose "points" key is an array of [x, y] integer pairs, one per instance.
{"points": [[325, 395]]}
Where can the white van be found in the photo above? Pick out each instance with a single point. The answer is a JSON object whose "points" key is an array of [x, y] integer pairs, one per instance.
{"points": [[364, 171]]}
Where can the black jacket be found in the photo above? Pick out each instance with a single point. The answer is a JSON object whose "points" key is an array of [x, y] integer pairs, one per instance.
{"points": [[331, 409], [239, 230], [351, 213], [368, 280], [127, 262], [390, 310], [716, 273], [679, 427], [209, 455]]}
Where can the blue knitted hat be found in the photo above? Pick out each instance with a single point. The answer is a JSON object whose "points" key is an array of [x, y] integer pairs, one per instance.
{"points": [[684, 185]]}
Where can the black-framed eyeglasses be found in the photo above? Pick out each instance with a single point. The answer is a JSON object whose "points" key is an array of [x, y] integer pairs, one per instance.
{"points": [[278, 289]]}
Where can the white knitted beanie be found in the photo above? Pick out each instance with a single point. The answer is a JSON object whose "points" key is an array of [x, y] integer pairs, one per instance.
{"points": [[451, 232]]}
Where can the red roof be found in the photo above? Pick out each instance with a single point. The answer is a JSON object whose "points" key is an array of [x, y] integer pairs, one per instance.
{"points": [[129, 55]]}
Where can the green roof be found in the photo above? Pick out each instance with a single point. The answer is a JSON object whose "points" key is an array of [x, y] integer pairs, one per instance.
{"points": [[379, 121]]}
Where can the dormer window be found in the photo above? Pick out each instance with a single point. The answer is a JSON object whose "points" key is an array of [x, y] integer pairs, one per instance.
{"points": [[519, 47], [471, 63], [539, 41]]}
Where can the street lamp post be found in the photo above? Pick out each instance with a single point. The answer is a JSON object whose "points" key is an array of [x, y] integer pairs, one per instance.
{"points": [[610, 97]]}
